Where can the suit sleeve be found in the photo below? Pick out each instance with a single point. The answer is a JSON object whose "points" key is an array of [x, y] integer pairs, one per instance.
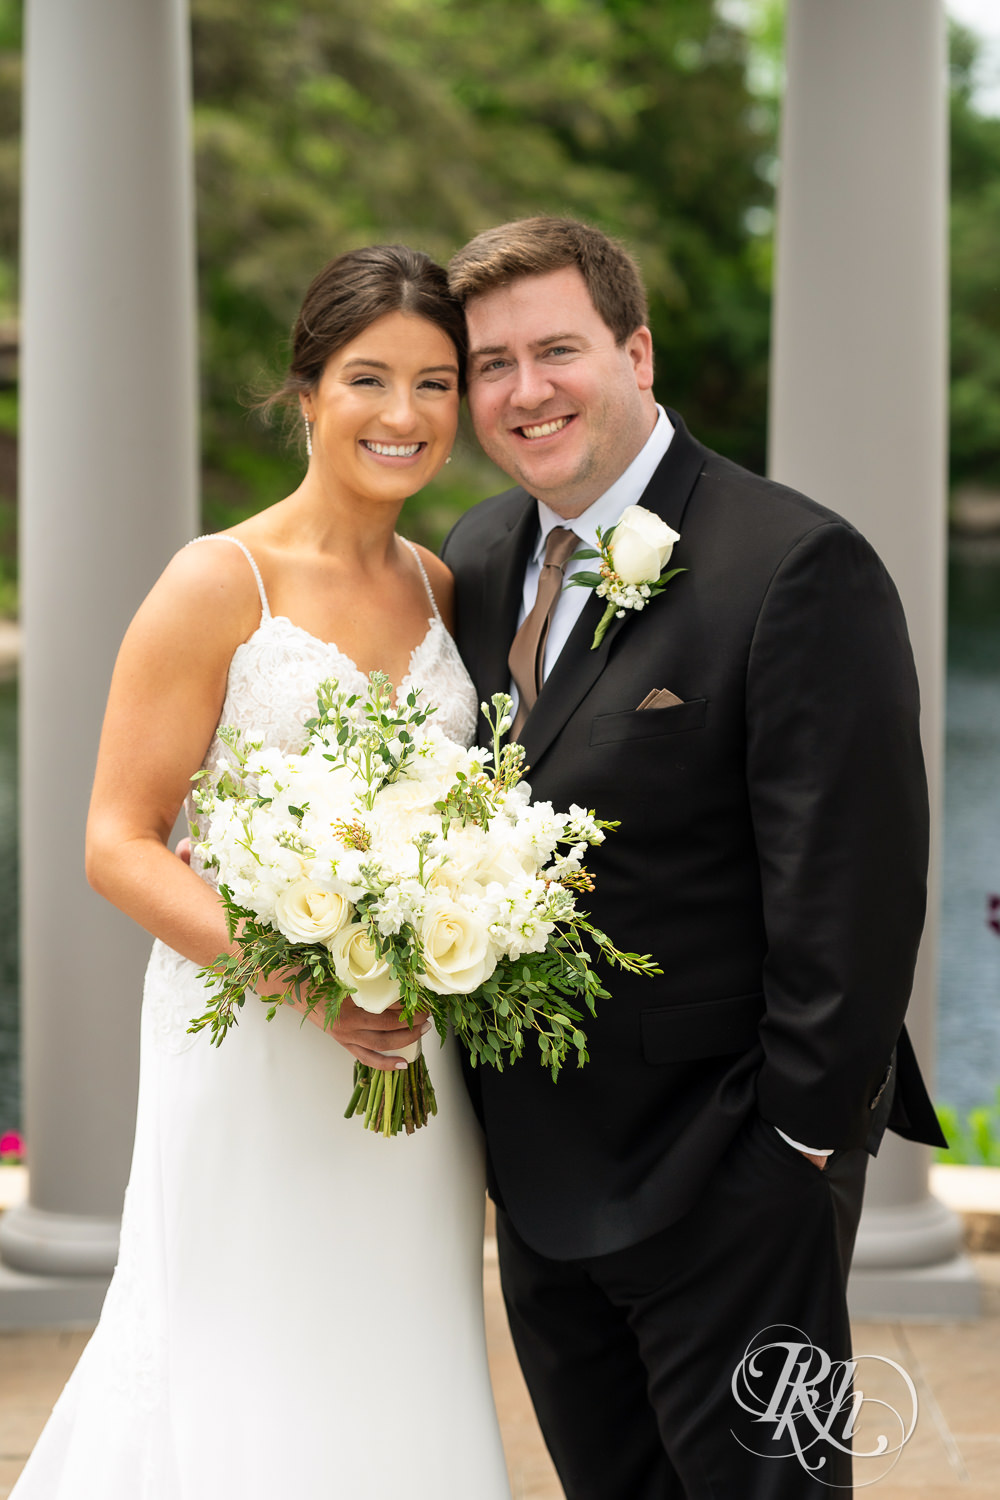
{"points": [[839, 806]]}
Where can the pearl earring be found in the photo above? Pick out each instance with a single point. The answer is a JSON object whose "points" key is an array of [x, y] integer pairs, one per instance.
{"points": [[309, 440]]}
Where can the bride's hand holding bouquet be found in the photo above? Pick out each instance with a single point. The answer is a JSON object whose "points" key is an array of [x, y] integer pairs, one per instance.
{"points": [[388, 864]]}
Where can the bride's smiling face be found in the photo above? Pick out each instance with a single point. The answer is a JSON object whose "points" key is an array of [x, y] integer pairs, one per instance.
{"points": [[385, 410]]}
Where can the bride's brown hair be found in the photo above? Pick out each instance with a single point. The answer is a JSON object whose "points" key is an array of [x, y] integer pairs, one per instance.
{"points": [[352, 292]]}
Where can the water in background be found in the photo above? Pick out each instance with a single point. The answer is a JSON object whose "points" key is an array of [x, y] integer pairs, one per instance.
{"points": [[968, 1048], [968, 1060]]}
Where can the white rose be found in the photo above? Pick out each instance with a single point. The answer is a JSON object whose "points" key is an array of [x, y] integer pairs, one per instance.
{"points": [[406, 797], [458, 954], [641, 545], [504, 863], [474, 858], [309, 913], [360, 969]]}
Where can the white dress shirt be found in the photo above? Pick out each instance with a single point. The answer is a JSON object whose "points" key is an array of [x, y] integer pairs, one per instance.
{"points": [[628, 489], [604, 513]]}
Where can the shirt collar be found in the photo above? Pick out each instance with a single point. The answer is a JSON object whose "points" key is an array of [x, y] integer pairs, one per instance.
{"points": [[627, 489]]}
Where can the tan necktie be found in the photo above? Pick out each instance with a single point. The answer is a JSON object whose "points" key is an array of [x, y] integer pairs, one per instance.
{"points": [[527, 651]]}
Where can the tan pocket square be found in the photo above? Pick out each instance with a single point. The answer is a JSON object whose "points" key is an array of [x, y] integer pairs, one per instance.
{"points": [[660, 698]]}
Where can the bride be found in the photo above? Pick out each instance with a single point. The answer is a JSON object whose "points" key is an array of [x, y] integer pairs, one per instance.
{"points": [[297, 1308]]}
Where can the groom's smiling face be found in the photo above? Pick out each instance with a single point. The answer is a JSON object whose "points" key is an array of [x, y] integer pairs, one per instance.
{"points": [[556, 403]]}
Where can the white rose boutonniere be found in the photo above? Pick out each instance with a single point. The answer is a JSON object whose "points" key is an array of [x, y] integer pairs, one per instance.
{"points": [[633, 556]]}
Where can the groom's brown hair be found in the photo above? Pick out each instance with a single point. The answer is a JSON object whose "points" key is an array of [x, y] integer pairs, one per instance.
{"points": [[534, 247]]}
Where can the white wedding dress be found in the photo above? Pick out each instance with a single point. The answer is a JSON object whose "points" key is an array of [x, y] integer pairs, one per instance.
{"points": [[297, 1310]]}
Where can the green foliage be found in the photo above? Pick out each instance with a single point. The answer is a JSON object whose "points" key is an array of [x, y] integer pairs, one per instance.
{"points": [[11, 25], [539, 994], [699, 149], [975, 252], [974, 1141], [319, 128]]}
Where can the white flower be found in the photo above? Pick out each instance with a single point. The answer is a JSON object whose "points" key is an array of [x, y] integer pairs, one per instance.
{"points": [[516, 799], [307, 913], [641, 545], [568, 865], [458, 954], [582, 825], [520, 920], [359, 968], [405, 797], [537, 832], [402, 903], [438, 759], [402, 810], [477, 858]]}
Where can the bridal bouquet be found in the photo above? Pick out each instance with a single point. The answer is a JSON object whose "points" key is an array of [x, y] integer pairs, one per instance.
{"points": [[388, 863]]}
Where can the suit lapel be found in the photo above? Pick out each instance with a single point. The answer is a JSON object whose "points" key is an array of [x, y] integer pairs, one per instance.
{"points": [[503, 584], [578, 667]]}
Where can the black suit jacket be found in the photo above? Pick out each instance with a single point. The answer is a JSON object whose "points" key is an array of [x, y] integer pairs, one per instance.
{"points": [[771, 855]]}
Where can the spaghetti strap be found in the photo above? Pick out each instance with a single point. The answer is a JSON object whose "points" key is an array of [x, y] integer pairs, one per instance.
{"points": [[423, 574], [220, 536]]}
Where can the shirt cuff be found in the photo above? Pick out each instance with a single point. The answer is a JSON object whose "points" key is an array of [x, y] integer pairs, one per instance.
{"points": [[810, 1150]]}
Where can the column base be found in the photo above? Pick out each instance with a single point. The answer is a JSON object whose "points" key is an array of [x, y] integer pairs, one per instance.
{"points": [[909, 1263], [906, 1235], [47, 1244], [945, 1293], [49, 1301]]}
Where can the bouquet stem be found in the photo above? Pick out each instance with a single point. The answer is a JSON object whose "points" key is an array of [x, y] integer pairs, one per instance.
{"points": [[393, 1101]]}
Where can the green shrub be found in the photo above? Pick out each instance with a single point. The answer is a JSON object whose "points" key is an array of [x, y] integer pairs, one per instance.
{"points": [[974, 1141]]}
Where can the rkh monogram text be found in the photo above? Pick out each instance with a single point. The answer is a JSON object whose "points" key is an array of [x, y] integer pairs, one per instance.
{"points": [[812, 1403]]}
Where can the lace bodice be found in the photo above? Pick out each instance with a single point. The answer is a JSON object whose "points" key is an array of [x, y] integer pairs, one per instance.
{"points": [[271, 689]]}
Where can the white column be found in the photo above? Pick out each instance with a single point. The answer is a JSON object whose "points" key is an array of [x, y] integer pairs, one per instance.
{"points": [[858, 421], [109, 479]]}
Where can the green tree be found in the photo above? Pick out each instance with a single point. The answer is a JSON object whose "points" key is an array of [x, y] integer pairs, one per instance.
{"points": [[975, 282], [699, 150], [426, 120], [320, 127]]}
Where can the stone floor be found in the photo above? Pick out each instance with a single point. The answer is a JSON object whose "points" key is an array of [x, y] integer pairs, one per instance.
{"points": [[954, 1453]]}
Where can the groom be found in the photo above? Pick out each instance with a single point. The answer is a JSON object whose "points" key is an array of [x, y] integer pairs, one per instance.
{"points": [[755, 731]]}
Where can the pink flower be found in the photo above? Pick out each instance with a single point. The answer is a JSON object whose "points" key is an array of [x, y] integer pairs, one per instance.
{"points": [[11, 1147], [993, 913]]}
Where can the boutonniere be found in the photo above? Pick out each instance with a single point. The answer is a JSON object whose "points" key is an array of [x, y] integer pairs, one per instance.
{"points": [[633, 556]]}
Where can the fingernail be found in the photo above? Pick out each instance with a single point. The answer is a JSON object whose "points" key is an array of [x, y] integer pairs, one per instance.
{"points": [[400, 1064], [425, 1027]]}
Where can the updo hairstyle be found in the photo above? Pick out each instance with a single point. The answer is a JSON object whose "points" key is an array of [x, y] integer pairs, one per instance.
{"points": [[355, 290]]}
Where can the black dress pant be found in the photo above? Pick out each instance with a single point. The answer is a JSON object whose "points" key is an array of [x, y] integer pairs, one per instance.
{"points": [[630, 1358]]}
